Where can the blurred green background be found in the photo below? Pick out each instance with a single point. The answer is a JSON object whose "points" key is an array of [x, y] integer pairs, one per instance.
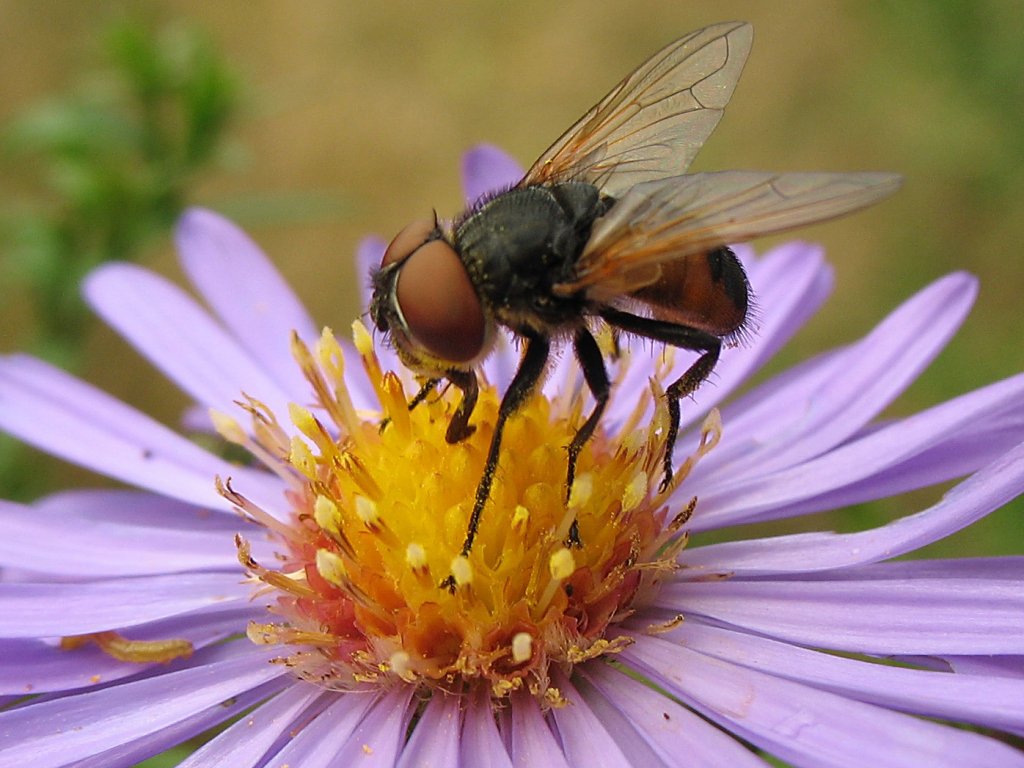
{"points": [[315, 123]]}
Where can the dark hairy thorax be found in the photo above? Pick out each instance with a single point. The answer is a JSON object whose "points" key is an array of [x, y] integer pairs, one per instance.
{"points": [[520, 243]]}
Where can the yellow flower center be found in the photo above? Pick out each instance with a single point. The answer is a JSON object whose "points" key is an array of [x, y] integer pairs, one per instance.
{"points": [[379, 508]]}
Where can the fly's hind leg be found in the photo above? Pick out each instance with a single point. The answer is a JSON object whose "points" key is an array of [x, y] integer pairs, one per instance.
{"points": [[684, 337]]}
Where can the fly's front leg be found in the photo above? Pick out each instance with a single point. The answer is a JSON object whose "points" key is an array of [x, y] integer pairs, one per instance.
{"points": [[596, 376], [684, 337], [459, 427]]}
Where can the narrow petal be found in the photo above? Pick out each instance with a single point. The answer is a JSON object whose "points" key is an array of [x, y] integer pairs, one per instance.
{"points": [[378, 738], [803, 725], [995, 666], [987, 490], [27, 610], [69, 729], [435, 737], [795, 283], [153, 742], [680, 737], [804, 413], [532, 740], [585, 736], [369, 253], [34, 666], [486, 170], [318, 742], [173, 332], [757, 497], [250, 739], [64, 416], [992, 702], [108, 549], [887, 361], [247, 292], [481, 743], [910, 615]]}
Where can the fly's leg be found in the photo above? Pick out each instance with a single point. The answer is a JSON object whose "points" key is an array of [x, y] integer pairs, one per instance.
{"points": [[531, 367], [684, 337], [596, 376], [459, 427]]}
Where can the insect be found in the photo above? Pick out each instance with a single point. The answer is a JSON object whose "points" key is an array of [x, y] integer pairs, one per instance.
{"points": [[604, 227]]}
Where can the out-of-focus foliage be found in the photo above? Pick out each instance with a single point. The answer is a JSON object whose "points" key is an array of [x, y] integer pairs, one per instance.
{"points": [[105, 169], [108, 166]]}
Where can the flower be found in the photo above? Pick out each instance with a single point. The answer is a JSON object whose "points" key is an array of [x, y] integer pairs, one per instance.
{"points": [[128, 624]]}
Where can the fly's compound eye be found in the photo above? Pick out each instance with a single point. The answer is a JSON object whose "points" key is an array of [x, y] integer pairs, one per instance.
{"points": [[441, 309], [408, 240]]}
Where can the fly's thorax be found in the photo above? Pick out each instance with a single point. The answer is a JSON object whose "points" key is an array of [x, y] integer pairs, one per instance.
{"points": [[518, 245]]}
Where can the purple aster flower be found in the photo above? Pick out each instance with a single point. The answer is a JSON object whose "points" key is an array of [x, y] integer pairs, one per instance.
{"points": [[313, 622]]}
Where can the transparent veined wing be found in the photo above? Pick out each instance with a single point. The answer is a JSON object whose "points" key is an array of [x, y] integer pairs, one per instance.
{"points": [[665, 220], [653, 123]]}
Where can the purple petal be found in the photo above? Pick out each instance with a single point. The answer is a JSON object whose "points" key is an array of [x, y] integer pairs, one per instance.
{"points": [[762, 498], [378, 738], [369, 254], [486, 170], [27, 610], [109, 549], [481, 743], [993, 702], [250, 739], [907, 614], [435, 737], [865, 377], [532, 740], [805, 726], [319, 741], [173, 332], [585, 736], [150, 743], [793, 282], [248, 294], [64, 416], [73, 728], [993, 666], [34, 666], [680, 737], [987, 490]]}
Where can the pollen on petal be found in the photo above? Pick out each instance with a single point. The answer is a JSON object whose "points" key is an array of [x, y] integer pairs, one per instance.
{"points": [[522, 647], [581, 491], [331, 567], [462, 571], [562, 564]]}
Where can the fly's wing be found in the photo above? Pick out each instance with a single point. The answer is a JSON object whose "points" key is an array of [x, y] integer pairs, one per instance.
{"points": [[653, 123], [670, 219]]}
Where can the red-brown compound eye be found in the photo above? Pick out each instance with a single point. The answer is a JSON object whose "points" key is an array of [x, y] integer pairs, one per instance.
{"points": [[408, 240], [441, 309]]}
